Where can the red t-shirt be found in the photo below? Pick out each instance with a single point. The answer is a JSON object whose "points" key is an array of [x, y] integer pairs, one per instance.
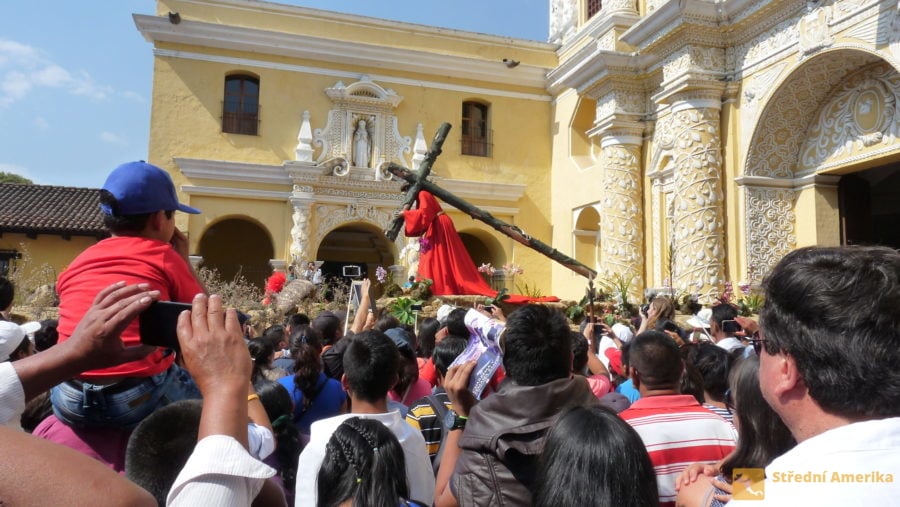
{"points": [[133, 260]]}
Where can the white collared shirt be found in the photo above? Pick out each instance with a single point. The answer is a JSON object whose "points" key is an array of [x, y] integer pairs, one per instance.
{"points": [[12, 396], [219, 472], [856, 464], [731, 343]]}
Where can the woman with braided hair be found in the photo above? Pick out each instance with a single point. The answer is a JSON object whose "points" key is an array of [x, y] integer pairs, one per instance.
{"points": [[364, 466]]}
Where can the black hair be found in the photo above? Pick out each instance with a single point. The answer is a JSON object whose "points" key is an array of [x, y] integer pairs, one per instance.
{"points": [[47, 336], [279, 406], [537, 347], [274, 334], [408, 369], [7, 293], [655, 356], [713, 363], [329, 326], [836, 312], [371, 362], [297, 319], [762, 436], [723, 312], [22, 351], [306, 350], [386, 321], [456, 322], [447, 351], [593, 457], [117, 223], [579, 352], [261, 351], [363, 462], [428, 327], [160, 446]]}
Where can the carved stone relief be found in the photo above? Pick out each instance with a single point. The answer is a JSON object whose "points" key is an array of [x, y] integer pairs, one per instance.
{"points": [[331, 216], [299, 249], [860, 118], [755, 89], [695, 60], [774, 148], [342, 138], [563, 18], [621, 219], [815, 32], [770, 227], [698, 240]]}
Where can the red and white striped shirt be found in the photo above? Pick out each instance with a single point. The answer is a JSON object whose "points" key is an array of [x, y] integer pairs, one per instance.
{"points": [[677, 432]]}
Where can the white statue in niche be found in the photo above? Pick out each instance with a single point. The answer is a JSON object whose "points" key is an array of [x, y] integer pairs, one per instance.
{"points": [[361, 145]]}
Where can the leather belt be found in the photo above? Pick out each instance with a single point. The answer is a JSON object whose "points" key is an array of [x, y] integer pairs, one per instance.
{"points": [[116, 388]]}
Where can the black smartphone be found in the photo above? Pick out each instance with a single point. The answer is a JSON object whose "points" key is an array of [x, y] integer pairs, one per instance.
{"points": [[416, 308], [158, 322], [730, 326]]}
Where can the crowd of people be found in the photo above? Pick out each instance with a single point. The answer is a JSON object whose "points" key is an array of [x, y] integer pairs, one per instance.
{"points": [[802, 405]]}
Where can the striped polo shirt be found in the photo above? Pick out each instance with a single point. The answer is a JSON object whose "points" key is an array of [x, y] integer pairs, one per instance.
{"points": [[677, 432]]}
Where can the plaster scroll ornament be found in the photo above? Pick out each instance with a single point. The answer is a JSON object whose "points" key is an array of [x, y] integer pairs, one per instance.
{"points": [[861, 115]]}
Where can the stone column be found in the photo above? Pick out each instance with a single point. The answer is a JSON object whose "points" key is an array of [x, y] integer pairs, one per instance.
{"points": [[699, 224], [301, 202], [621, 222]]}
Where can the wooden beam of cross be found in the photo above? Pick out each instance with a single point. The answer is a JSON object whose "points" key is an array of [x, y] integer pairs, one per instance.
{"points": [[416, 182], [420, 182]]}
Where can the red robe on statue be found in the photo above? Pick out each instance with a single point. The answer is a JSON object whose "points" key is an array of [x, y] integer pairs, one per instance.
{"points": [[442, 256]]}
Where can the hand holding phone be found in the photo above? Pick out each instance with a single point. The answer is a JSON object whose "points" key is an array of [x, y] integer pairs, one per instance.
{"points": [[157, 324]]}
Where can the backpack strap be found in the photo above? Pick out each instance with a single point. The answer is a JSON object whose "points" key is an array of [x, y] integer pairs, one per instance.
{"points": [[440, 410]]}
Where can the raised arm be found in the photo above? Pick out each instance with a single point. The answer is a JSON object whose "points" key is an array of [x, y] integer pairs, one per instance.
{"points": [[94, 344]]}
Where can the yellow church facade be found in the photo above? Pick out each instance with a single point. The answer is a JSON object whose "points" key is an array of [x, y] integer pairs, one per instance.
{"points": [[666, 143]]}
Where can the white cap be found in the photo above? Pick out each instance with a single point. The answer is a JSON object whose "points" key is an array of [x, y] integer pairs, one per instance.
{"points": [[701, 320], [623, 332], [12, 335], [443, 312]]}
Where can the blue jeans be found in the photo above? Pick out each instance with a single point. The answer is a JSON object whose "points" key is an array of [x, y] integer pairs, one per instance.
{"points": [[86, 405]]}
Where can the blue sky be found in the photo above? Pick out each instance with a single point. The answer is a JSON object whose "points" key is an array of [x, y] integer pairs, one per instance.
{"points": [[75, 77]]}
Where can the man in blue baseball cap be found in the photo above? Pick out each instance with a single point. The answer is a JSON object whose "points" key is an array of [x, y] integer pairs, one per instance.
{"points": [[138, 202]]}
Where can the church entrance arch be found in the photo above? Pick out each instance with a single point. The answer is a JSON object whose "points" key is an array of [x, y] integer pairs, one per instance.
{"points": [[236, 246], [355, 244], [829, 121]]}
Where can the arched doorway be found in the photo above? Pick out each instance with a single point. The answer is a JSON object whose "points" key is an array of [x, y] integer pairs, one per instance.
{"points": [[485, 249], [828, 121], [357, 244], [238, 246]]}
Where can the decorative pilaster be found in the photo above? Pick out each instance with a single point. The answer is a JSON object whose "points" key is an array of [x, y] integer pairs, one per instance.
{"points": [[301, 201], [621, 223], [699, 237], [618, 124]]}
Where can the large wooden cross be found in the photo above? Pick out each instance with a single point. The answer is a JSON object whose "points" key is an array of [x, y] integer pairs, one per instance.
{"points": [[419, 181]]}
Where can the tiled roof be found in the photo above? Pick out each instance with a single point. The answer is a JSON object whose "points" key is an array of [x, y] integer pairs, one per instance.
{"points": [[45, 209]]}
